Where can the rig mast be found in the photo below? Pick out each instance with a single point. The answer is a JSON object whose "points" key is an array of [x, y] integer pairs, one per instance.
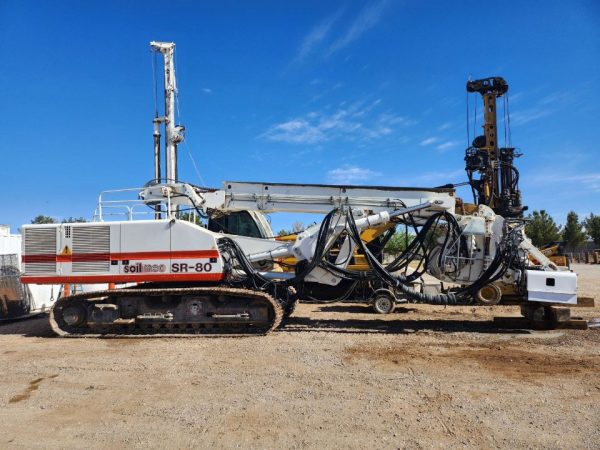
{"points": [[497, 186], [173, 132]]}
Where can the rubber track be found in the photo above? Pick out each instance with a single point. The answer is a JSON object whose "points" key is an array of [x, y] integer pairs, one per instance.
{"points": [[214, 331]]}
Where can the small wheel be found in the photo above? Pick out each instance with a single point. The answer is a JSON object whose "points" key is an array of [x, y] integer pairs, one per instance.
{"points": [[73, 315], [489, 295], [384, 304]]}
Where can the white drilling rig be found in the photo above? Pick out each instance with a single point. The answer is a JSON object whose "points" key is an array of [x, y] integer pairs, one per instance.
{"points": [[188, 278]]}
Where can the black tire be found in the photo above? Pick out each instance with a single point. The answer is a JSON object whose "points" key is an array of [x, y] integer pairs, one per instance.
{"points": [[489, 295], [383, 303]]}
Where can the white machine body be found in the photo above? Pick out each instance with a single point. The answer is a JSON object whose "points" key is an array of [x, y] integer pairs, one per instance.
{"points": [[552, 286], [172, 250], [120, 252]]}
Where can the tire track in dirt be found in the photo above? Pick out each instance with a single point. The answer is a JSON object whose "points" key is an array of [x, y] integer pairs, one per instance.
{"points": [[506, 360], [29, 390]]}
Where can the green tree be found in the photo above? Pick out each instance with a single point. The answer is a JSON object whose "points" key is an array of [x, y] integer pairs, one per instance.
{"points": [[592, 226], [297, 227], [189, 217], [542, 229], [74, 220], [573, 233], [398, 243], [41, 219]]}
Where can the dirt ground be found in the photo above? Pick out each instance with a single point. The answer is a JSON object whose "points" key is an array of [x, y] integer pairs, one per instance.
{"points": [[335, 376]]}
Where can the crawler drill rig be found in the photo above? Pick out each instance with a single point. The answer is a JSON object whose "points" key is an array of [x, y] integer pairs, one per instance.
{"points": [[180, 277]]}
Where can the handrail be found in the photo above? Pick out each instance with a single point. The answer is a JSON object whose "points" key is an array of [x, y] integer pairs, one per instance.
{"points": [[128, 205]]}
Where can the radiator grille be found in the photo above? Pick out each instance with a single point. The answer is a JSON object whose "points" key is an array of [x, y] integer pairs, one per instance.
{"points": [[91, 248], [40, 242]]}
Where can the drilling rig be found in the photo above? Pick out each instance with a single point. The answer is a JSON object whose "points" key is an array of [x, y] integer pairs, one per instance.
{"points": [[173, 275]]}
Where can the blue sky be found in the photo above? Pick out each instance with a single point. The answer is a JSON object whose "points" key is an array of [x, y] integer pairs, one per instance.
{"points": [[311, 91]]}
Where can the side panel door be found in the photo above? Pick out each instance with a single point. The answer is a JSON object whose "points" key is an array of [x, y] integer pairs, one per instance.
{"points": [[145, 249], [194, 253]]}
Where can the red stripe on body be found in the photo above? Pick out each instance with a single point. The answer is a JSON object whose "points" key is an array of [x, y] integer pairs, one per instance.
{"points": [[177, 254], [39, 258], [86, 257], [141, 278]]}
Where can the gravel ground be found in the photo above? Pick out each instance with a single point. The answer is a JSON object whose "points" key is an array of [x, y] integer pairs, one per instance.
{"points": [[335, 376]]}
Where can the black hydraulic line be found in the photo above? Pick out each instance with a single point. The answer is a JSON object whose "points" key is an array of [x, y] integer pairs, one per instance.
{"points": [[504, 258], [495, 270], [399, 281]]}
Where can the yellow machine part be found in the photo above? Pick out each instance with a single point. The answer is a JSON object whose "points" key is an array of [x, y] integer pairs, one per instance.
{"points": [[550, 251], [559, 260], [553, 254], [359, 260]]}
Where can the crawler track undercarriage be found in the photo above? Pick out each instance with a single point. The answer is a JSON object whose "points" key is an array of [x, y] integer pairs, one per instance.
{"points": [[187, 311]]}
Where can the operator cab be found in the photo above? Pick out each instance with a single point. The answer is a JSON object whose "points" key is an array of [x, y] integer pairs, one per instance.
{"points": [[242, 223]]}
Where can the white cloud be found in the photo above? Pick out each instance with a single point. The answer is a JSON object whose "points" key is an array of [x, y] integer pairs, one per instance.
{"points": [[350, 174], [571, 188], [516, 97], [315, 36], [441, 177], [430, 178], [577, 180], [296, 131], [428, 141], [207, 90], [544, 107], [529, 115], [444, 126], [367, 19], [446, 145], [590, 181], [554, 98], [349, 122]]}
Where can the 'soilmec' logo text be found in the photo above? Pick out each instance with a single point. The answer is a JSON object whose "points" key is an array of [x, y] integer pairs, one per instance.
{"points": [[145, 268]]}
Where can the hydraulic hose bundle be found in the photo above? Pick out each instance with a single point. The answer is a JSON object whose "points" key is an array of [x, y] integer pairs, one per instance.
{"points": [[235, 260], [505, 257], [419, 249]]}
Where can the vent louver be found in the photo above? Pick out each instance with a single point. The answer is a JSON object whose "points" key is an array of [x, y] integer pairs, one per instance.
{"points": [[40, 246], [91, 249]]}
